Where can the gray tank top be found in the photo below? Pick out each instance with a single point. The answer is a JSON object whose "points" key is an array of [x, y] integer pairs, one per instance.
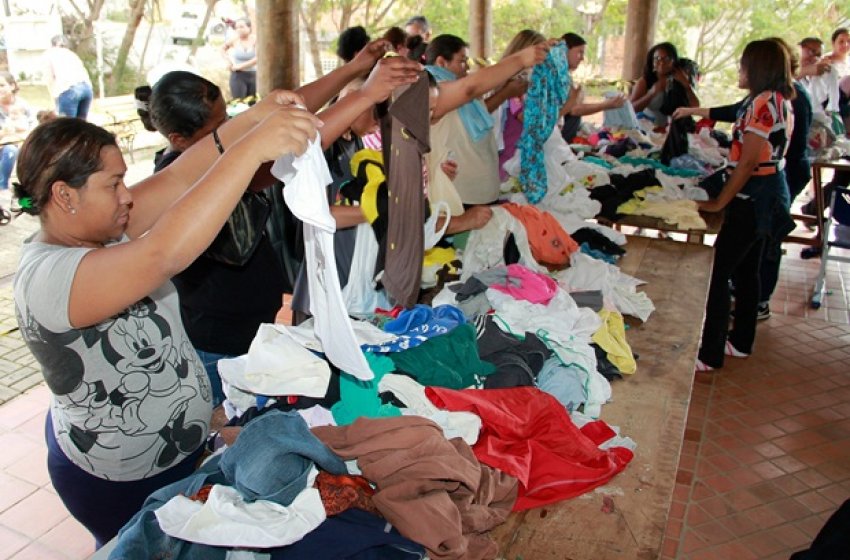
{"points": [[240, 55], [653, 110]]}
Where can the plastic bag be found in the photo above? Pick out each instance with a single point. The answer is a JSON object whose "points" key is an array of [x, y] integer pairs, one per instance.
{"points": [[240, 236]]}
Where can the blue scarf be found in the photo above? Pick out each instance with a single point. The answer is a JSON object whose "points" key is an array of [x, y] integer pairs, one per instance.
{"points": [[474, 115], [547, 92]]}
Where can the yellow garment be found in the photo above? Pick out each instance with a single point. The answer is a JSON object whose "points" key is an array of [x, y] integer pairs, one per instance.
{"points": [[611, 337], [373, 160], [439, 256], [433, 262], [682, 214]]}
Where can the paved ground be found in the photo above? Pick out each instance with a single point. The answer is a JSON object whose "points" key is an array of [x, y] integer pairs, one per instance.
{"points": [[18, 370]]}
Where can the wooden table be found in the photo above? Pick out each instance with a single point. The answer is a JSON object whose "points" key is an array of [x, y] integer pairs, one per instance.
{"points": [[651, 406], [713, 221]]}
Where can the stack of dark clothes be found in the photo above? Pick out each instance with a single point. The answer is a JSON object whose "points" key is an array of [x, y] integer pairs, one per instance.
{"points": [[622, 189]]}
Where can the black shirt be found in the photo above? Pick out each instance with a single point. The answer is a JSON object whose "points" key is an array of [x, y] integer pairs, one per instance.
{"points": [[222, 306]]}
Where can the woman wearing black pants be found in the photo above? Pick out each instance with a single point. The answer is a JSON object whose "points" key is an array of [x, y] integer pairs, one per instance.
{"points": [[755, 198]]}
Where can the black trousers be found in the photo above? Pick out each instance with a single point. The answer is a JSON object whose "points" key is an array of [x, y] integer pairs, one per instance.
{"points": [[797, 176], [737, 254], [243, 84]]}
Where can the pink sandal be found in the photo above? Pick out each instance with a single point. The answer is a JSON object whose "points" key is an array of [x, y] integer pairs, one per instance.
{"points": [[730, 350], [700, 367]]}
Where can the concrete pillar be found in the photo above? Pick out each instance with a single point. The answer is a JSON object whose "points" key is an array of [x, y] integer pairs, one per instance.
{"points": [[277, 45], [640, 35], [480, 28]]}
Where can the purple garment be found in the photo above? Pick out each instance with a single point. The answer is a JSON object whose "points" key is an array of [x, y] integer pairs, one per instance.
{"points": [[511, 132]]}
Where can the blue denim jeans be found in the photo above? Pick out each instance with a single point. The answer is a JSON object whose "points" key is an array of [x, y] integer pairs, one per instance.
{"points": [[8, 157], [270, 460], [75, 101], [210, 361]]}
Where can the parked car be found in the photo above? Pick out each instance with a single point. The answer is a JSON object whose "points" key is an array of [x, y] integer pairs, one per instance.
{"points": [[184, 29]]}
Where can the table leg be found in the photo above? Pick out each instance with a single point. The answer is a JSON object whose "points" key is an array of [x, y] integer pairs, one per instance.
{"points": [[819, 203]]}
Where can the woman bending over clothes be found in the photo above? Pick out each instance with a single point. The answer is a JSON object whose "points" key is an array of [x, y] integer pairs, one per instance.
{"points": [[130, 401], [755, 199], [510, 96], [222, 304], [576, 46]]}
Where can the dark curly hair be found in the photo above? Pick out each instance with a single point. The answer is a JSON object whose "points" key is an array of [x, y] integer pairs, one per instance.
{"points": [[65, 149]]}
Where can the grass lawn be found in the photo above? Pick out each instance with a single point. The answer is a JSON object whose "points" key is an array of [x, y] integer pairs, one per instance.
{"points": [[37, 96]]}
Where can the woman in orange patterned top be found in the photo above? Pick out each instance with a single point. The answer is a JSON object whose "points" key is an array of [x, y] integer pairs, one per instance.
{"points": [[755, 199]]}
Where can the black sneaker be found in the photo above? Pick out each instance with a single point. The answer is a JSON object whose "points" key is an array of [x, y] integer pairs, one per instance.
{"points": [[763, 312], [810, 253]]}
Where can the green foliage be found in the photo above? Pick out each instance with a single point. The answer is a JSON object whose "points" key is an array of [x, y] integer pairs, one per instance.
{"points": [[120, 15], [511, 17], [614, 19], [714, 33], [129, 79], [452, 17]]}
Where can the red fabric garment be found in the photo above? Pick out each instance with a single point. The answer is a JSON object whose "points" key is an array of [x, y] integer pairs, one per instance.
{"points": [[549, 241], [528, 434], [705, 123], [202, 495], [342, 492], [394, 312]]}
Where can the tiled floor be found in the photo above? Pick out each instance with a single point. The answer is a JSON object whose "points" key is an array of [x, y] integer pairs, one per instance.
{"points": [[33, 522], [766, 456]]}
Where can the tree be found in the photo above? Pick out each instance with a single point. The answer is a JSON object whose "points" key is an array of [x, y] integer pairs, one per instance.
{"points": [[82, 32], [151, 19], [371, 14], [199, 39], [311, 15], [510, 18], [452, 17], [714, 33], [137, 10]]}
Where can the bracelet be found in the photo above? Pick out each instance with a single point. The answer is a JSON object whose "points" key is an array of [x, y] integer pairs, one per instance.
{"points": [[217, 140]]}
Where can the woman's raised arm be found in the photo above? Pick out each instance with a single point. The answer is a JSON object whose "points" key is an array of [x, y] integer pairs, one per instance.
{"points": [[460, 92], [153, 195], [112, 278], [317, 93]]}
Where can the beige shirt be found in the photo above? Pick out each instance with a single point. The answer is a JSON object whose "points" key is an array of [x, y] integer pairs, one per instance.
{"points": [[477, 180]]}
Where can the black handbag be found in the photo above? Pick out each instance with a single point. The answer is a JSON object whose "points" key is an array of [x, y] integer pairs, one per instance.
{"points": [[238, 239]]}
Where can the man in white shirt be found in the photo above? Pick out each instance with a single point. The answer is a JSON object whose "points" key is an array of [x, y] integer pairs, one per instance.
{"points": [[68, 80]]}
